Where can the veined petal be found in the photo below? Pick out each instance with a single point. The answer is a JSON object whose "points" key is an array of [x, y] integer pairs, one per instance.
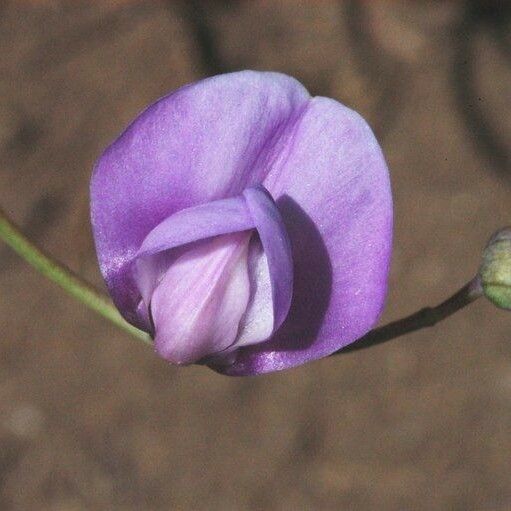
{"points": [[197, 307]]}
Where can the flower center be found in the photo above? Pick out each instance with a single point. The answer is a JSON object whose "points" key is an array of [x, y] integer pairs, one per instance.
{"points": [[216, 277]]}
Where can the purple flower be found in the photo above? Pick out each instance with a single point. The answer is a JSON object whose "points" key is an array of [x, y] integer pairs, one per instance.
{"points": [[244, 224]]}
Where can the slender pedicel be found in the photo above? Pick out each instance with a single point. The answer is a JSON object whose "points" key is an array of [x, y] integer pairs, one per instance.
{"points": [[426, 317], [64, 277]]}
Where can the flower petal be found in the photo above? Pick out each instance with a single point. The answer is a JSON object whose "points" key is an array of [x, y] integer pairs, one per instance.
{"points": [[160, 264], [206, 141], [333, 192], [197, 307], [191, 224], [277, 248], [258, 322]]}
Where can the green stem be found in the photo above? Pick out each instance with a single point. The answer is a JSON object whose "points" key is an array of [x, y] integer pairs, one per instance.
{"points": [[64, 277]]}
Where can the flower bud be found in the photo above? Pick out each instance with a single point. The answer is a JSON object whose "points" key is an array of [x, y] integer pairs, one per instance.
{"points": [[495, 270]]}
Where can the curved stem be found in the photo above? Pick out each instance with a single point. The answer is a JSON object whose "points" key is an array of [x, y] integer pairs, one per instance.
{"points": [[429, 316], [64, 277]]}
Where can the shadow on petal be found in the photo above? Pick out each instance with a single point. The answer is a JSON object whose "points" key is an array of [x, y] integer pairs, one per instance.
{"points": [[312, 279]]}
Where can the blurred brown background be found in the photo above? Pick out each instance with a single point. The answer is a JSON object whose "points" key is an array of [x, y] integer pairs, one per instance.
{"points": [[91, 420]]}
